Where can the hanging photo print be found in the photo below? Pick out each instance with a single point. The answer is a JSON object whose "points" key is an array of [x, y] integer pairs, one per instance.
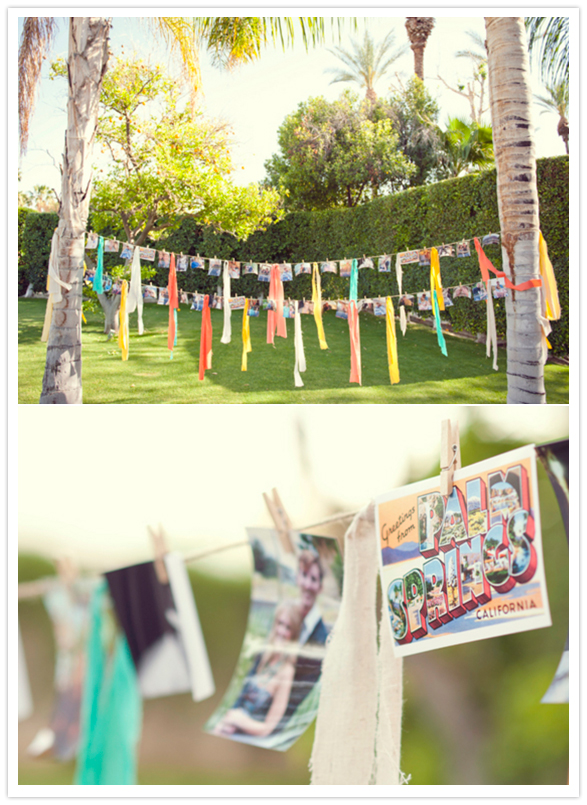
{"points": [[345, 268], [163, 296], [409, 257], [328, 267], [466, 566], [424, 257], [479, 292], [366, 262], [198, 303], [302, 268], [149, 292], [162, 629], [487, 240], [379, 306], [306, 306], [215, 267], [264, 272], [183, 297], [498, 288], [342, 309], [254, 306], [250, 268], [424, 302], [446, 250], [555, 460], [463, 249], [126, 252], [365, 305], [462, 290], [164, 259], [197, 262], [92, 241], [384, 263], [68, 607], [407, 300], [182, 262], [447, 298], [147, 254], [286, 272], [237, 302], [234, 269], [111, 245], [295, 599]]}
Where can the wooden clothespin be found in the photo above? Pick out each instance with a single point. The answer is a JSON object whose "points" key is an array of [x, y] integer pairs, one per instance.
{"points": [[450, 455], [159, 549], [281, 520]]}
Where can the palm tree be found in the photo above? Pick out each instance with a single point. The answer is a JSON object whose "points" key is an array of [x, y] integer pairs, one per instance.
{"points": [[233, 39], [468, 146], [366, 63], [558, 101], [510, 98], [552, 33], [419, 29]]}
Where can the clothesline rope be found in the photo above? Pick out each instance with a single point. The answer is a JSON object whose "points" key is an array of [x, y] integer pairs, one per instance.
{"points": [[38, 587]]}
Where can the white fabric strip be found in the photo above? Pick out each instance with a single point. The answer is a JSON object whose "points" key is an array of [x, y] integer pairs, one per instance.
{"points": [[25, 700], [227, 331], [134, 300], [491, 329], [389, 718], [300, 365], [403, 323], [343, 750]]}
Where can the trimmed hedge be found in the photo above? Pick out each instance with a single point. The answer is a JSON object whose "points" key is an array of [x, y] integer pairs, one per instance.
{"points": [[35, 230], [420, 217]]}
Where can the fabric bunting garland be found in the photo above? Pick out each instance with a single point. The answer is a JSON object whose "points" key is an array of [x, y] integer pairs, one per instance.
{"points": [[123, 317], [205, 339], [135, 294], [437, 298], [392, 361], [111, 712], [300, 358], [353, 318], [247, 347], [275, 318], [98, 281], [173, 305], [551, 310], [403, 319], [485, 266], [54, 285], [227, 330], [317, 302]]}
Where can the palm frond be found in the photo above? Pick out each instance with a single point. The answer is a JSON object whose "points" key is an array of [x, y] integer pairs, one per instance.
{"points": [[36, 39], [549, 36]]}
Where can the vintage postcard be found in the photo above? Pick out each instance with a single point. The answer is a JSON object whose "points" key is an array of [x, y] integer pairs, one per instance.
{"points": [[466, 566]]}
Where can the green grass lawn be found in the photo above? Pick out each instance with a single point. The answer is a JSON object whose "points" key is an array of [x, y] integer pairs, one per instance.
{"points": [[149, 376]]}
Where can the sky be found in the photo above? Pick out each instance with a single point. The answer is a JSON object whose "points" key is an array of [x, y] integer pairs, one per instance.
{"points": [[200, 471], [256, 98]]}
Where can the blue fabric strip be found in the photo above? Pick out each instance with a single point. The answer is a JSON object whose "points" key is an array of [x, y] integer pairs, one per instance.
{"points": [[354, 281], [97, 284], [439, 333]]}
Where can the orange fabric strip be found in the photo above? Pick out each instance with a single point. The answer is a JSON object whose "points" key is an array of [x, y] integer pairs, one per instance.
{"points": [[486, 266], [205, 339], [353, 318]]}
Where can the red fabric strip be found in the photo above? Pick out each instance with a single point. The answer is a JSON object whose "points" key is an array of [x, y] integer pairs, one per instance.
{"points": [[353, 318], [205, 339]]}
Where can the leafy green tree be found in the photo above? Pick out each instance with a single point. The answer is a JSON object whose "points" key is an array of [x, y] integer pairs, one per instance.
{"points": [[414, 113], [467, 146], [366, 63], [557, 101], [331, 154]]}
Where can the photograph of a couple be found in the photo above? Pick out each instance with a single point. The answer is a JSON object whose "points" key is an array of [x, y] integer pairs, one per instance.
{"points": [[295, 598]]}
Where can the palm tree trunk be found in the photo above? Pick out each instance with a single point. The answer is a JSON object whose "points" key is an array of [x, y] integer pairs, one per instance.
{"points": [[88, 56], [510, 97]]}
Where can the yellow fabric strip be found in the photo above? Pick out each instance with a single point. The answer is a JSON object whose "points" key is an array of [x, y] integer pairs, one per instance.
{"points": [[392, 361], [435, 280], [246, 336], [317, 302], [123, 316], [549, 289]]}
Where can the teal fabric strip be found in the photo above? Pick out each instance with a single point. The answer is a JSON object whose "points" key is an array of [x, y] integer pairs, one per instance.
{"points": [[354, 281], [111, 710], [175, 319], [439, 333], [98, 284]]}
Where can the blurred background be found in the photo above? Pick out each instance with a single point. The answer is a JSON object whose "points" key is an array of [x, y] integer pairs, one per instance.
{"points": [[91, 483]]}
